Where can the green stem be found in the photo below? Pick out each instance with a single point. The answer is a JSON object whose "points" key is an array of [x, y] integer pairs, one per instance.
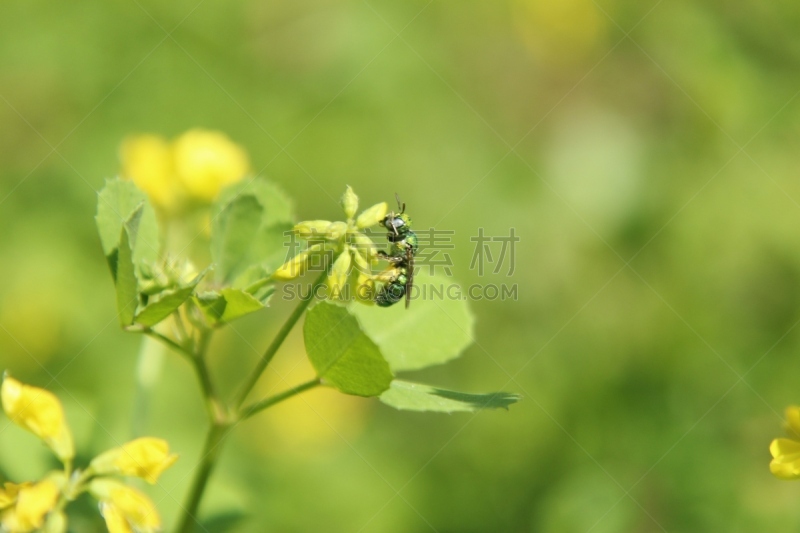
{"points": [[208, 459], [171, 343], [278, 341], [148, 370], [256, 407], [216, 412]]}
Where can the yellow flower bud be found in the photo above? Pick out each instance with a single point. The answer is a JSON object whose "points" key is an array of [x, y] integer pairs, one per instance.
{"points": [[9, 492], [146, 458], [56, 523], [793, 421], [115, 521], [33, 504], [372, 216], [297, 265], [207, 161], [364, 246], [40, 412], [785, 458], [312, 229], [337, 278], [124, 508], [337, 230], [365, 289], [349, 202], [147, 161], [361, 264]]}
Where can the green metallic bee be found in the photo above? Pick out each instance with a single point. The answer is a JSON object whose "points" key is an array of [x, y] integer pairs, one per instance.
{"points": [[403, 246]]}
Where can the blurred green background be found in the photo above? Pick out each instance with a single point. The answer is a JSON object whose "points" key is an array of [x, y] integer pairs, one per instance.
{"points": [[645, 153]]}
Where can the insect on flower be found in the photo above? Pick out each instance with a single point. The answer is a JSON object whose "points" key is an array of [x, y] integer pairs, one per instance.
{"points": [[403, 246]]}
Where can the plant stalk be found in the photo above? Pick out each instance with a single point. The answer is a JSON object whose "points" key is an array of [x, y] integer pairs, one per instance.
{"points": [[278, 341], [208, 459], [256, 407]]}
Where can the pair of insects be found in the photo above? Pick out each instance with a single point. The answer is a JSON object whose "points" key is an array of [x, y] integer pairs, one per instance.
{"points": [[403, 245]]}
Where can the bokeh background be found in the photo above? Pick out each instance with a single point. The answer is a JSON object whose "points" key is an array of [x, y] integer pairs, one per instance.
{"points": [[644, 151]]}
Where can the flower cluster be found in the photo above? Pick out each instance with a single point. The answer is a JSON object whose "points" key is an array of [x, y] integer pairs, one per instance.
{"points": [[353, 251], [191, 169], [33, 506], [785, 452]]}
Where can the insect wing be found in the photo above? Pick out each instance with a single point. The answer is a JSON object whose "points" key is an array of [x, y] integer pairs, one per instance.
{"points": [[409, 274]]}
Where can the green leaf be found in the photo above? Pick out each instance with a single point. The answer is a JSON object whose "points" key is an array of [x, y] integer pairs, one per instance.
{"points": [[232, 235], [126, 284], [342, 354], [168, 301], [435, 329], [227, 304], [404, 395], [266, 243], [277, 206], [116, 202]]}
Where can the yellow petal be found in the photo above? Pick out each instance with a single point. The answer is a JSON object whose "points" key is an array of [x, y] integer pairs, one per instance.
{"points": [[207, 161], [365, 289], [372, 216], [147, 161], [297, 265], [33, 504], [782, 447], [364, 245], [115, 521], [146, 458], [338, 275], [793, 421], [40, 412], [137, 510], [336, 230], [312, 229], [56, 523], [349, 202]]}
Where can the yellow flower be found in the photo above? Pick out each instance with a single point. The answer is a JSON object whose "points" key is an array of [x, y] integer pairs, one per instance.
{"points": [[33, 502], [147, 161], [373, 215], [298, 264], [207, 161], [349, 202], [40, 412], [337, 279], [786, 452], [9, 492], [313, 229], [125, 509], [349, 244], [115, 520], [146, 458]]}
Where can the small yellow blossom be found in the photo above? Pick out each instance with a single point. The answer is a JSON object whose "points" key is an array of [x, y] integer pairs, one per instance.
{"points": [[33, 502], [146, 457], [312, 229], [373, 215], [40, 412], [350, 245], [147, 161], [124, 508], [207, 161], [297, 265], [9, 492], [349, 203], [337, 279], [364, 246], [786, 452], [56, 523], [115, 520]]}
